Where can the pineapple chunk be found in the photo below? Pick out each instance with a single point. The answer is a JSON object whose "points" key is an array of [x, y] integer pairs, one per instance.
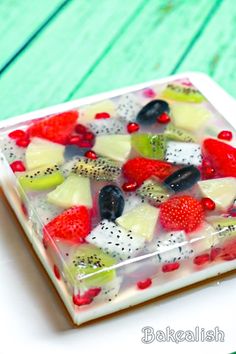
{"points": [[115, 147], [90, 111], [189, 116]]}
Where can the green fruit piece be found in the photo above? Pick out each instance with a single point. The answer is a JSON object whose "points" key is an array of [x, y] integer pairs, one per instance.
{"points": [[148, 145], [183, 93], [88, 259], [221, 190], [224, 227], [40, 179], [75, 190], [153, 191], [100, 169], [173, 133], [41, 152], [140, 220], [116, 147], [189, 116]]}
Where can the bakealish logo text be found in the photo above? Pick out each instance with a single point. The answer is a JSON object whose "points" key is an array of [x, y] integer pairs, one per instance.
{"points": [[170, 335]]}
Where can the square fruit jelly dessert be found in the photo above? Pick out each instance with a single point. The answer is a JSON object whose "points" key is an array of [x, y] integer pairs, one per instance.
{"points": [[126, 198]]}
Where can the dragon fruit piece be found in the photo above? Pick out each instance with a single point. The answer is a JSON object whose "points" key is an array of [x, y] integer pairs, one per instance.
{"points": [[109, 291], [128, 107], [106, 126], [183, 153], [115, 240], [132, 200], [11, 151], [172, 248]]}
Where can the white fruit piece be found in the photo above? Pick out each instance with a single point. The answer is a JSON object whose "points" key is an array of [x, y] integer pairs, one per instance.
{"points": [[115, 147], [140, 220], [109, 291], [128, 107], [107, 126], [189, 116], [75, 190], [42, 152], [183, 153], [221, 190], [90, 111]]}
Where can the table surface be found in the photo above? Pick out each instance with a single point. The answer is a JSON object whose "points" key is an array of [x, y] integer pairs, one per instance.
{"points": [[54, 51]]}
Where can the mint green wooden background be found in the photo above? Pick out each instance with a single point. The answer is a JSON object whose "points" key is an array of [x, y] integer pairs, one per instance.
{"points": [[52, 51]]}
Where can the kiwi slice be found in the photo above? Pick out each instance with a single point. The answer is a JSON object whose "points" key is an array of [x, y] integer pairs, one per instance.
{"points": [[173, 133], [88, 259], [148, 145], [41, 178], [183, 93], [153, 191], [224, 227]]}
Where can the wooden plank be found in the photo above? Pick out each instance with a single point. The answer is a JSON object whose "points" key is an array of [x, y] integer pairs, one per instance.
{"points": [[18, 21], [59, 58], [214, 53], [150, 48]]}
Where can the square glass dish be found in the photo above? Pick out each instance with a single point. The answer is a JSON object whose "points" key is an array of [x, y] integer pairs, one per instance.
{"points": [[126, 195]]}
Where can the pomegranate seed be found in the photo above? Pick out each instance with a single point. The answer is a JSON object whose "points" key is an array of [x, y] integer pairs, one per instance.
{"points": [[170, 267], [91, 155], [75, 139], [56, 272], [102, 115], [209, 172], [17, 134], [228, 256], [202, 259], [82, 300], [80, 129], [208, 204], [17, 166], [144, 284], [150, 93], [164, 118], [89, 136], [24, 142], [24, 210], [132, 127], [215, 252], [85, 144], [93, 292], [232, 211], [129, 186], [225, 135]]}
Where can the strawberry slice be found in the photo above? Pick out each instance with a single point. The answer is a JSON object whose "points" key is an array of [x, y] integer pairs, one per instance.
{"points": [[72, 225], [56, 128], [181, 213], [139, 169], [222, 157]]}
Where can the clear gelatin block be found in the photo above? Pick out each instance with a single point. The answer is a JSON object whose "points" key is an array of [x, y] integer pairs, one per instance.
{"points": [[127, 195]]}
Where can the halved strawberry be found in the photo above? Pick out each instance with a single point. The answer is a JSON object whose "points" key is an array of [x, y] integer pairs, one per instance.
{"points": [[72, 225], [56, 128], [181, 213], [222, 157], [139, 169]]}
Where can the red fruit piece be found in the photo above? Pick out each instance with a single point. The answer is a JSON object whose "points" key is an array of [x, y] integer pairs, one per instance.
{"points": [[82, 300], [170, 267], [23, 142], [148, 92], [17, 166], [17, 134], [93, 292], [208, 204], [202, 259], [56, 272], [164, 118], [89, 136], [56, 128], [91, 155], [181, 213], [139, 169], [102, 115], [222, 157], [144, 284], [129, 186], [225, 135], [215, 253], [132, 127], [80, 129], [85, 144], [72, 225]]}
